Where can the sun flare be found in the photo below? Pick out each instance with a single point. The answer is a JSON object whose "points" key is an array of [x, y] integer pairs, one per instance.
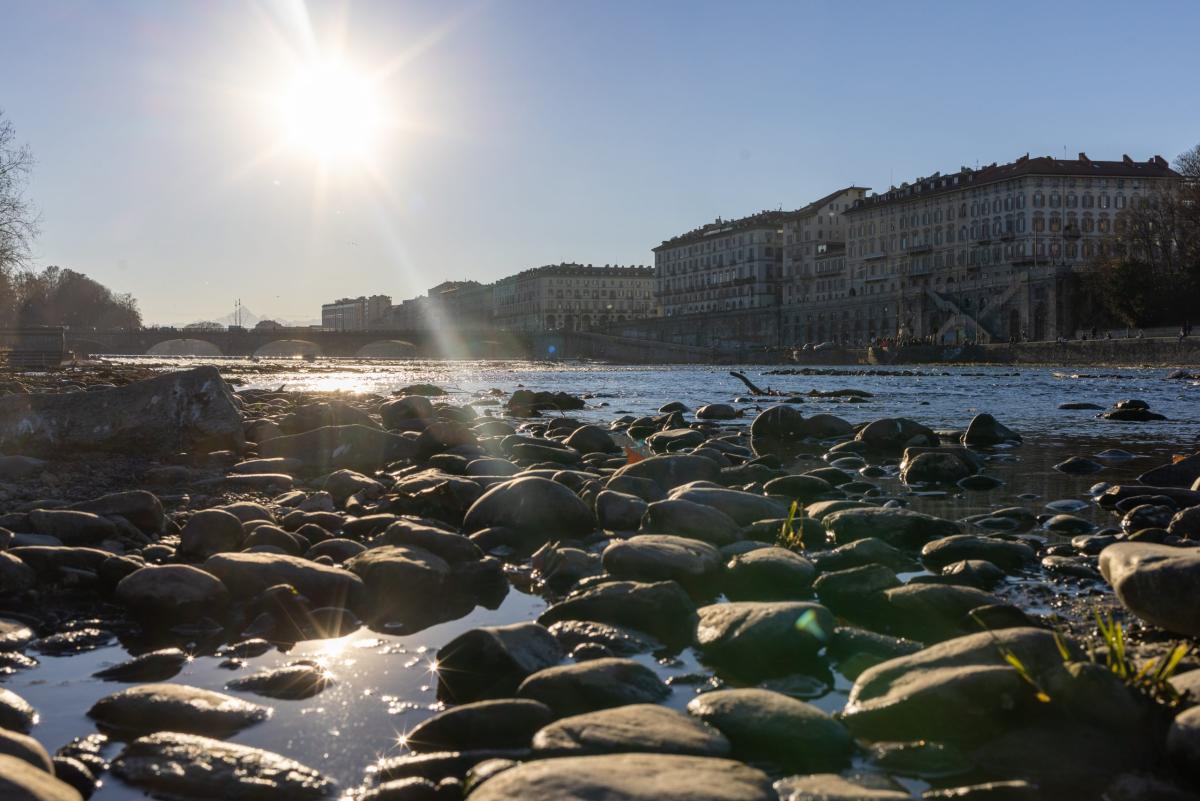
{"points": [[331, 112]]}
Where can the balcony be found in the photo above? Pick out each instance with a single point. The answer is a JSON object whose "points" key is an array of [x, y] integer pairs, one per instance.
{"points": [[913, 250]]}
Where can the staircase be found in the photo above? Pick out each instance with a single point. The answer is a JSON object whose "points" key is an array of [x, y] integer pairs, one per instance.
{"points": [[957, 317]]}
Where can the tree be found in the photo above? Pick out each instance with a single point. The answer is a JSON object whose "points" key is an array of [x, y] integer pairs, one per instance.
{"points": [[18, 220]]}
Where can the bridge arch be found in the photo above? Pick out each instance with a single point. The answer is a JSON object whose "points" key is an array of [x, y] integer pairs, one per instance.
{"points": [[387, 349], [289, 349], [184, 347]]}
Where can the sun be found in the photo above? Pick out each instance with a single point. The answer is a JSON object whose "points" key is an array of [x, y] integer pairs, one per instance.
{"points": [[331, 112]]}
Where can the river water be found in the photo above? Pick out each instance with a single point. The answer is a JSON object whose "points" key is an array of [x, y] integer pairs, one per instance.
{"points": [[384, 684]]}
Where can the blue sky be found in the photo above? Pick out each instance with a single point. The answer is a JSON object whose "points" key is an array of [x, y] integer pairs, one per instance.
{"points": [[529, 132]]}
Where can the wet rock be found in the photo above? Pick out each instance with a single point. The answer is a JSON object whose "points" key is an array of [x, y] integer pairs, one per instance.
{"points": [[491, 662], [402, 584], [662, 609], [1158, 583], [1186, 523], [172, 593], [526, 403], [675, 439], [292, 682], [72, 528], [406, 790], [855, 591], [175, 707], [192, 410], [15, 712], [980, 483], [509, 723], [765, 725], [354, 447], [442, 766], [209, 532], [716, 411], [617, 511], [768, 574], [535, 509], [14, 634], [933, 467], [249, 574], [1078, 466], [1182, 473], [893, 435], [961, 690], [898, 527], [977, 573], [661, 557], [615, 640], [591, 439], [615, 777], [1080, 406], [431, 536], [176, 764], [637, 728], [802, 488], [325, 413], [984, 430], [743, 507], [396, 413], [21, 781], [1147, 515], [342, 484], [154, 666], [1068, 525], [687, 518], [857, 649], [672, 470], [76, 641], [931, 612], [1132, 415], [759, 638], [25, 748], [867, 551], [832, 787], [592, 685], [1005, 554], [75, 773]]}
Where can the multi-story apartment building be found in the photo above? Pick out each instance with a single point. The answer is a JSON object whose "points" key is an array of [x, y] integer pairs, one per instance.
{"points": [[466, 305], [357, 314], [572, 297], [814, 256], [986, 254]]}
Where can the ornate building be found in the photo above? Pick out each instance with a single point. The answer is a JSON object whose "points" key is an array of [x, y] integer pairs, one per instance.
{"points": [[986, 254], [573, 297], [357, 314]]}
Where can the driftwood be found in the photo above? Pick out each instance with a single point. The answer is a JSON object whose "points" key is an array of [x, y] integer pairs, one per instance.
{"points": [[750, 385]]}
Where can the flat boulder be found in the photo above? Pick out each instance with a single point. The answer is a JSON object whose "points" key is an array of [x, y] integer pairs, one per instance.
{"points": [[22, 781], [899, 527], [15, 712], [985, 430], [628, 777], [743, 507], [1002, 553], [687, 518], [759, 638], [353, 447], [249, 574], [768, 574], [636, 728], [662, 609], [209, 532], [595, 684], [536, 509], [500, 724], [142, 508], [1158, 583], [662, 557], [669, 471], [173, 764], [767, 725], [299, 680], [71, 527], [492, 661], [172, 593], [191, 410], [401, 583], [150, 708]]}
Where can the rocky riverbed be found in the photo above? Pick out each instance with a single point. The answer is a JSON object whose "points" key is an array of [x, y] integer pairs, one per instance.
{"points": [[244, 592]]}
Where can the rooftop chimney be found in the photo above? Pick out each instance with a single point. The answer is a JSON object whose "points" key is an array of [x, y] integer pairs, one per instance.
{"points": [[1125, 158], [1083, 157]]}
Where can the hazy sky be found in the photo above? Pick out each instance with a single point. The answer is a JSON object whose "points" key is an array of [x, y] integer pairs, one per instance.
{"points": [[516, 133]]}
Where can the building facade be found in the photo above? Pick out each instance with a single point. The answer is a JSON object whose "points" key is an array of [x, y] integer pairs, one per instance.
{"points": [[985, 255], [572, 297], [357, 314]]}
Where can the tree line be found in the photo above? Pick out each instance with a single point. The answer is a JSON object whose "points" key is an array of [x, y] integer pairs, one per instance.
{"points": [[54, 296], [1148, 270]]}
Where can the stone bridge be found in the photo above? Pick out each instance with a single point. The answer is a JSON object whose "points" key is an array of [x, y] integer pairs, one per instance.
{"points": [[443, 344]]}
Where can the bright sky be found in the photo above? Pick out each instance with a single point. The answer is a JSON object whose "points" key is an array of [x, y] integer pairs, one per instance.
{"points": [[198, 151]]}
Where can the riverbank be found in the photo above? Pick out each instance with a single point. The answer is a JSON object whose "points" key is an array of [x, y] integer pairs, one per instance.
{"points": [[445, 581]]}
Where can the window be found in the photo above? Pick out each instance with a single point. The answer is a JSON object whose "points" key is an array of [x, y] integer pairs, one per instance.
{"points": [[1039, 199]]}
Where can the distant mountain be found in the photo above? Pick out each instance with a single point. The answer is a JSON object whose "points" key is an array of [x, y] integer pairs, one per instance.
{"points": [[248, 319]]}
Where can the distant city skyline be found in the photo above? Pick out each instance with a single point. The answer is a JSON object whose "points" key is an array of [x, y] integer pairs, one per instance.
{"points": [[287, 153]]}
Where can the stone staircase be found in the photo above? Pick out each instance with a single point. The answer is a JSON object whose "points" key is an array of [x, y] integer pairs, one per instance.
{"points": [[971, 326]]}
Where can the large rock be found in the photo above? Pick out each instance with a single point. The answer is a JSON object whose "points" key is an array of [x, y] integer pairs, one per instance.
{"points": [[961, 690], [985, 430], [172, 593], [928, 612], [209, 532], [72, 528], [25, 748], [768, 574], [508, 723], [619, 511], [16, 577], [662, 609], [397, 413], [690, 519], [248, 574], [591, 439], [536, 509], [804, 489], [192, 410], [182, 765], [637, 728], [21, 781], [139, 507], [402, 584], [324, 413], [328, 448], [15, 712], [1158, 583], [758, 638], [628, 777], [1004, 554], [492, 661], [744, 507], [594, 684], [661, 557], [1182, 473], [893, 435], [932, 467], [900, 527], [150, 708], [295, 681], [766, 725], [671, 470]]}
